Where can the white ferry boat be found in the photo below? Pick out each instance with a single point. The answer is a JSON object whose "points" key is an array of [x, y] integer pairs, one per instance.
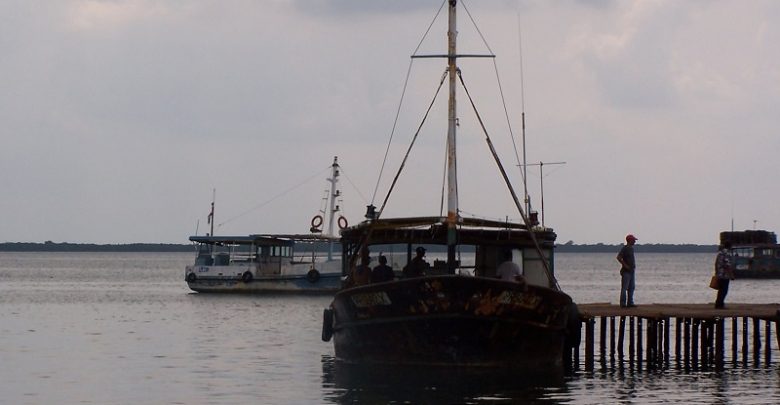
{"points": [[268, 263]]}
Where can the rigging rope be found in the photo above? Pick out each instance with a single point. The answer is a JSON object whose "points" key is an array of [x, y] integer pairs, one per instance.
{"points": [[400, 103], [550, 277], [353, 185], [501, 91], [273, 198], [414, 139]]}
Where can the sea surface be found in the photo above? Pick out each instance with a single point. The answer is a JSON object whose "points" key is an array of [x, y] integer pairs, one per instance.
{"points": [[123, 328]]}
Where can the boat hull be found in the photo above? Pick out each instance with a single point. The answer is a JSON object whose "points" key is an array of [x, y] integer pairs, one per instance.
{"points": [[326, 284], [452, 321]]}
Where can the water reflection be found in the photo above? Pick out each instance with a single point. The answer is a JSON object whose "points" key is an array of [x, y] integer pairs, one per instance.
{"points": [[344, 383]]}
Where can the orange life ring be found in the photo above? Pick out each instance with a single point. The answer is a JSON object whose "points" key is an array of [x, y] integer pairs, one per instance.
{"points": [[343, 223], [316, 221]]}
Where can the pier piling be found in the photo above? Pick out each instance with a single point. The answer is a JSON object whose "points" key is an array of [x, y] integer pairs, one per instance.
{"points": [[690, 336]]}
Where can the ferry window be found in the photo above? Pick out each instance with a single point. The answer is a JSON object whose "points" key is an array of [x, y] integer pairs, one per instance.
{"points": [[743, 252], [766, 252]]}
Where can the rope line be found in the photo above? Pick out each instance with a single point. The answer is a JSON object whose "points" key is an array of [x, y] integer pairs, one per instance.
{"points": [[547, 271], [273, 198], [400, 103], [414, 139]]}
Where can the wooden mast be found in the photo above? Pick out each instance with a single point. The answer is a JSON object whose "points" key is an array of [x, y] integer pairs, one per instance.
{"points": [[452, 175]]}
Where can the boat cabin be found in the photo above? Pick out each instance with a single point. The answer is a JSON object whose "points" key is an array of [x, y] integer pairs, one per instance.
{"points": [[756, 253], [482, 246]]}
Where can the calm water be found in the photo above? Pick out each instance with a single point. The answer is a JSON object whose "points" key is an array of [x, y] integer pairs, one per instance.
{"points": [[99, 328]]}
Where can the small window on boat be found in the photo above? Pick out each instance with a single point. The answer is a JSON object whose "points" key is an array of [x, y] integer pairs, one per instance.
{"points": [[766, 252], [743, 252]]}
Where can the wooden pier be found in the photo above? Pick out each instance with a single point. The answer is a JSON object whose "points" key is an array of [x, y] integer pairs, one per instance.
{"points": [[687, 336]]}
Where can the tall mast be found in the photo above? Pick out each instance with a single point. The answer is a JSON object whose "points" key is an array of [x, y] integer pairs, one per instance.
{"points": [[452, 176], [333, 208]]}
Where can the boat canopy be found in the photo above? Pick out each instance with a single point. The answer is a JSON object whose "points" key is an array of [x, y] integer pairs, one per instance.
{"points": [[259, 240], [433, 230]]}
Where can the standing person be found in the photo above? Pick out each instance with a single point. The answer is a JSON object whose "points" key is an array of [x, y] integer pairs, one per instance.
{"points": [[509, 270], [627, 272], [418, 265], [724, 270], [382, 272]]}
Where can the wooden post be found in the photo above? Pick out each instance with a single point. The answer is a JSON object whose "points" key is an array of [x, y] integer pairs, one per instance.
{"points": [[744, 341], [768, 343], [639, 343], [719, 343], [777, 328], [620, 337], [695, 344], [678, 340], [589, 343], [734, 338], [612, 338], [687, 343], [603, 342], [710, 341], [756, 341], [631, 340], [652, 334], [667, 335], [704, 346]]}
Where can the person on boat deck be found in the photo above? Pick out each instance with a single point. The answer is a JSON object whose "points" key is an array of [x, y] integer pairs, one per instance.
{"points": [[418, 265], [724, 270], [361, 275], [509, 270], [627, 272], [382, 272]]}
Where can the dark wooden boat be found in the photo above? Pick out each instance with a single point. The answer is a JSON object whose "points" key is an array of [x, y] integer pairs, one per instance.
{"points": [[458, 313], [756, 253]]}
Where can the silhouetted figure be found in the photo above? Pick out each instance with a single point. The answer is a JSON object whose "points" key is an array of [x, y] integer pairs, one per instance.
{"points": [[382, 272], [418, 265]]}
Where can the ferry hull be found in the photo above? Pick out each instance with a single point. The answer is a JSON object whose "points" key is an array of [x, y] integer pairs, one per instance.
{"points": [[452, 321], [326, 284]]}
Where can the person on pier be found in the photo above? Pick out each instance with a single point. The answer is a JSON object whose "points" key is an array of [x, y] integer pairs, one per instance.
{"points": [[627, 272], [724, 270]]}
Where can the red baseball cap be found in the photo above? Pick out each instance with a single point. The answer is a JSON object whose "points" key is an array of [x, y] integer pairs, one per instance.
{"points": [[630, 237]]}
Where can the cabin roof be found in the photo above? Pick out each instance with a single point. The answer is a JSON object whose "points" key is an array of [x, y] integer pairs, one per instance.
{"points": [[262, 239], [433, 230]]}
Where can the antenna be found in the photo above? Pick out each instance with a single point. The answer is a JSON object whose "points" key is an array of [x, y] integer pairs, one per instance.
{"points": [[541, 179]]}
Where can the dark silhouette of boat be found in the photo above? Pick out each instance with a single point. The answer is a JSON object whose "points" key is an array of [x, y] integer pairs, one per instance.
{"points": [[756, 253], [455, 312]]}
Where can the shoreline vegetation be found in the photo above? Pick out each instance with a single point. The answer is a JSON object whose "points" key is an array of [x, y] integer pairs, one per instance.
{"points": [[568, 247]]}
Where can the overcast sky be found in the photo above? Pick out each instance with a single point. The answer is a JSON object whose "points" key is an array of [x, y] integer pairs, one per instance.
{"points": [[119, 118]]}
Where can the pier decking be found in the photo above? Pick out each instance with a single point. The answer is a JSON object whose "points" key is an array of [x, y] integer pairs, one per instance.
{"points": [[691, 336]]}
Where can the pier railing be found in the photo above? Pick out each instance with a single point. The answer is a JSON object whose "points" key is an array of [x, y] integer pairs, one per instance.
{"points": [[685, 336]]}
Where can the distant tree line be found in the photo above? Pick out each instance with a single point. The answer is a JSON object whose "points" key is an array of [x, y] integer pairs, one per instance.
{"points": [[568, 247], [50, 246]]}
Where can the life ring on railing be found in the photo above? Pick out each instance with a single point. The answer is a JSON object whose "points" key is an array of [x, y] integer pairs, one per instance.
{"points": [[316, 221], [313, 276], [247, 277], [191, 278], [343, 223]]}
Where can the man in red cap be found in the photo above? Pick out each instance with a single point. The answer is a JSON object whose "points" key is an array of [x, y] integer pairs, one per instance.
{"points": [[627, 272]]}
